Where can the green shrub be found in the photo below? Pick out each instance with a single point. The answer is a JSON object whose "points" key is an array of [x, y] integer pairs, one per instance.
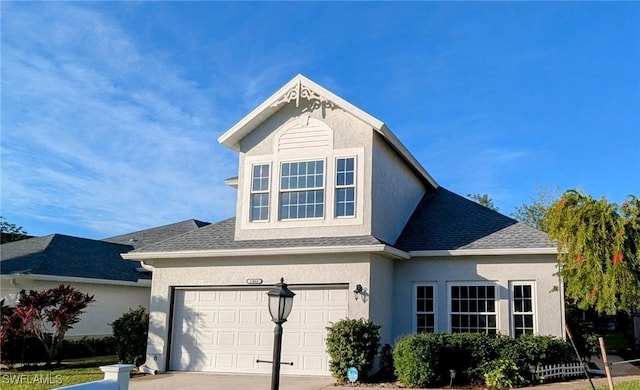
{"points": [[502, 374], [534, 350], [130, 336], [352, 343], [87, 347], [412, 358], [426, 359]]}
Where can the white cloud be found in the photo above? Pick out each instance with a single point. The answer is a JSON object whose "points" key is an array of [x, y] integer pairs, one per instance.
{"points": [[98, 133]]}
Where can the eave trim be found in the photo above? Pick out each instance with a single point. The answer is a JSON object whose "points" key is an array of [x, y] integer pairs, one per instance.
{"points": [[74, 279], [386, 250], [485, 252]]}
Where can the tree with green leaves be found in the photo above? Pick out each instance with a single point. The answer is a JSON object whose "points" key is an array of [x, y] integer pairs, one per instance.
{"points": [[598, 250], [484, 200], [534, 214], [10, 232]]}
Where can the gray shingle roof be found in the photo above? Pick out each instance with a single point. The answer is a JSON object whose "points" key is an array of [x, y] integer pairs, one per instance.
{"points": [[445, 221], [146, 237], [220, 236], [61, 255], [442, 221]]}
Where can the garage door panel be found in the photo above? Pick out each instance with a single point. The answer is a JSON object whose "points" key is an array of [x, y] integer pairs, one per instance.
{"points": [[336, 315], [314, 363], [314, 340], [315, 317], [228, 330], [291, 340], [227, 317], [249, 317]]}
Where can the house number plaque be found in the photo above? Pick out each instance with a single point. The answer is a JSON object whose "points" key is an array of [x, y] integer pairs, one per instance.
{"points": [[254, 281]]}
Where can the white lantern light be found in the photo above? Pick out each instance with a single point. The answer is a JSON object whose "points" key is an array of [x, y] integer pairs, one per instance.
{"points": [[280, 302]]}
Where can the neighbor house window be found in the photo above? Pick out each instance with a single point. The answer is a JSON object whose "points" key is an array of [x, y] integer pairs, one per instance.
{"points": [[425, 308], [345, 187], [302, 190], [522, 308], [473, 309], [260, 193]]}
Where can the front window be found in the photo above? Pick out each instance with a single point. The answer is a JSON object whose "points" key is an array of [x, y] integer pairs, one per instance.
{"points": [[473, 309], [260, 193], [522, 309], [345, 187], [302, 190], [425, 310]]}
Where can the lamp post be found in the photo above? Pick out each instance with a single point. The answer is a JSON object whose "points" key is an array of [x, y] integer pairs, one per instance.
{"points": [[280, 304]]}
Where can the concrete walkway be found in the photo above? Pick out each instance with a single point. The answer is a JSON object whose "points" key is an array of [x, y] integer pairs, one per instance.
{"points": [[206, 381], [197, 381]]}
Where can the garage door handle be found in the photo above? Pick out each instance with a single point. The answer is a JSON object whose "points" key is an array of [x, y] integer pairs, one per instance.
{"points": [[269, 361]]}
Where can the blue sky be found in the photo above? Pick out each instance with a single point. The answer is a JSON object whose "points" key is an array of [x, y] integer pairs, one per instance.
{"points": [[111, 111]]}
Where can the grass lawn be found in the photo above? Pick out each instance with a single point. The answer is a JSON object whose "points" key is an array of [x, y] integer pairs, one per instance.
{"points": [[40, 378], [631, 385]]}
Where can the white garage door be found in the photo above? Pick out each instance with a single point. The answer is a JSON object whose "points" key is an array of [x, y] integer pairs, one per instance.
{"points": [[223, 330]]}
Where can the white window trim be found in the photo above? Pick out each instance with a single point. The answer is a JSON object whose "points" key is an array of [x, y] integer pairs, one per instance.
{"points": [[494, 284], [355, 185], [329, 218], [414, 312], [251, 192], [534, 305], [280, 190]]}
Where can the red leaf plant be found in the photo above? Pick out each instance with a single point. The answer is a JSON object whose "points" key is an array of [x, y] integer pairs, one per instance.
{"points": [[49, 314]]}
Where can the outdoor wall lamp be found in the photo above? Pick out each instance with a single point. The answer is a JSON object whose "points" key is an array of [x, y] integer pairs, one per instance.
{"points": [[280, 305], [359, 292]]}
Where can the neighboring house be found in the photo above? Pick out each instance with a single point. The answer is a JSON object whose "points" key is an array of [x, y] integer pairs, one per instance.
{"points": [[146, 237], [91, 266], [329, 199]]}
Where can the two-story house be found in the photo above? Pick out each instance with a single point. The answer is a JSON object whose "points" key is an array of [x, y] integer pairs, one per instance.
{"points": [[331, 200]]}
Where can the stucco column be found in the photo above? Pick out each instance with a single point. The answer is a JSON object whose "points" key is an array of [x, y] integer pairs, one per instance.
{"points": [[118, 373]]}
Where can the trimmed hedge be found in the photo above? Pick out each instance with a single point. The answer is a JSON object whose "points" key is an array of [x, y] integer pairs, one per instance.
{"points": [[29, 349], [426, 359], [352, 343]]}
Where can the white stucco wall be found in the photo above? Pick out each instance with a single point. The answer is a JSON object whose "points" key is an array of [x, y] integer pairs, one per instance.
{"points": [[296, 270], [396, 192], [381, 300], [111, 301], [350, 137], [497, 269]]}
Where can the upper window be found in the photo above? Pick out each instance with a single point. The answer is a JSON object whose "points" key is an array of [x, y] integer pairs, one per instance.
{"points": [[302, 190], [345, 187], [522, 309], [260, 193], [473, 309], [425, 308]]}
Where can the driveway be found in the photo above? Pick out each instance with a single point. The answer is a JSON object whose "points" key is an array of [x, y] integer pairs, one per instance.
{"points": [[202, 381], [205, 381]]}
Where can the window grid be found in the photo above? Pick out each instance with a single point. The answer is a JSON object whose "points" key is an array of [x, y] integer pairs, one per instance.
{"points": [[473, 309], [425, 309], [345, 187], [302, 190], [523, 314], [260, 193]]}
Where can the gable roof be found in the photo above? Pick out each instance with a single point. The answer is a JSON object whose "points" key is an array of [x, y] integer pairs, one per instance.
{"points": [[446, 221], [150, 236], [301, 87], [67, 256]]}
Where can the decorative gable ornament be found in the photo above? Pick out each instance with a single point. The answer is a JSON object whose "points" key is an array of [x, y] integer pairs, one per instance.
{"points": [[303, 91]]}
